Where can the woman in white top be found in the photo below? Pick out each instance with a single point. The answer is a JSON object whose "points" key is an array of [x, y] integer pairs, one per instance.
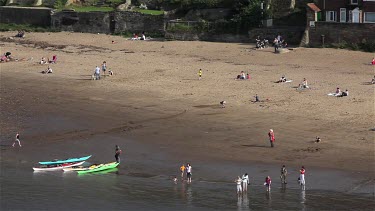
{"points": [[245, 182]]}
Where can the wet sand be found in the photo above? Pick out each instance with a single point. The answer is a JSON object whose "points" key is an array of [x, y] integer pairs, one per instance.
{"points": [[155, 100]]}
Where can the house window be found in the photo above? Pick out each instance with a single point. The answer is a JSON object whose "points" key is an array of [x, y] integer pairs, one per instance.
{"points": [[331, 16], [369, 17], [354, 1]]}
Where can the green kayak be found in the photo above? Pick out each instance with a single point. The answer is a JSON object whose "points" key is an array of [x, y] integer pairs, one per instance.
{"points": [[100, 167]]}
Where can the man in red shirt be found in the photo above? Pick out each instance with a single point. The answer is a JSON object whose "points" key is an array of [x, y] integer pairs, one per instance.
{"points": [[271, 136]]}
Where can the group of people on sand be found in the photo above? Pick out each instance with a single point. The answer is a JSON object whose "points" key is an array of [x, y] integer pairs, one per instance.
{"points": [[244, 181], [243, 76], [98, 70], [279, 42], [136, 37], [184, 170], [43, 60], [340, 93]]}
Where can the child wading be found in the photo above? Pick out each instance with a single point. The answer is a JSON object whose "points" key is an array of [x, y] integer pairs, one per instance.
{"points": [[267, 183], [17, 140], [182, 170], [302, 177], [117, 154]]}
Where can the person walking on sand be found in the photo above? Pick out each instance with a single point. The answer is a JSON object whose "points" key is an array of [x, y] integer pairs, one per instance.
{"points": [[271, 136], [267, 183], [302, 177], [283, 174], [238, 181], [188, 173], [97, 73], [117, 154], [182, 170], [200, 74], [245, 182], [17, 140]]}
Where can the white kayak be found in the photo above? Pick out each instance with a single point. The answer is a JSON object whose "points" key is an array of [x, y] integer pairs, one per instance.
{"points": [[80, 168], [57, 167]]}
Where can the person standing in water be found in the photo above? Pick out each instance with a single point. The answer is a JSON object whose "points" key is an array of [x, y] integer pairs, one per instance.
{"points": [[245, 182], [17, 140], [117, 154], [182, 170], [302, 177], [200, 74], [271, 136], [188, 173], [267, 183], [238, 181], [283, 174]]}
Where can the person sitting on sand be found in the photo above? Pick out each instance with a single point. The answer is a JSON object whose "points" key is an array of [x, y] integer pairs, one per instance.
{"points": [[345, 94], [256, 98], [248, 76], [43, 61], [54, 60], [3, 58], [317, 140], [222, 103], [373, 80], [373, 61], [143, 36], [242, 76], [282, 79], [20, 34], [49, 70], [338, 91], [110, 72], [304, 83], [135, 37]]}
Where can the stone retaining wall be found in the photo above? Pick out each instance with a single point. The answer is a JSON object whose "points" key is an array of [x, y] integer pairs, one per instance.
{"points": [[22, 15], [340, 32]]}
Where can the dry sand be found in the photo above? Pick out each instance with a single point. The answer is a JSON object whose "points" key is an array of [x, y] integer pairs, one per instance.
{"points": [[155, 97]]}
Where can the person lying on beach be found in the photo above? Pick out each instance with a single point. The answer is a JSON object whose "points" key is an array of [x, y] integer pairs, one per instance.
{"points": [[49, 70], [43, 61]]}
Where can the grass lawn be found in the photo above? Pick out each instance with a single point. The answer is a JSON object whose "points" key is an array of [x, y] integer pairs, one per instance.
{"points": [[89, 9], [150, 12]]}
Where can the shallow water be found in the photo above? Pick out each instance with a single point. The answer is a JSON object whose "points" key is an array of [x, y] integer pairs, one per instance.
{"points": [[23, 189]]}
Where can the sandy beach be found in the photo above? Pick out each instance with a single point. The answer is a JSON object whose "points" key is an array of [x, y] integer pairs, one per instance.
{"points": [[155, 98]]}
